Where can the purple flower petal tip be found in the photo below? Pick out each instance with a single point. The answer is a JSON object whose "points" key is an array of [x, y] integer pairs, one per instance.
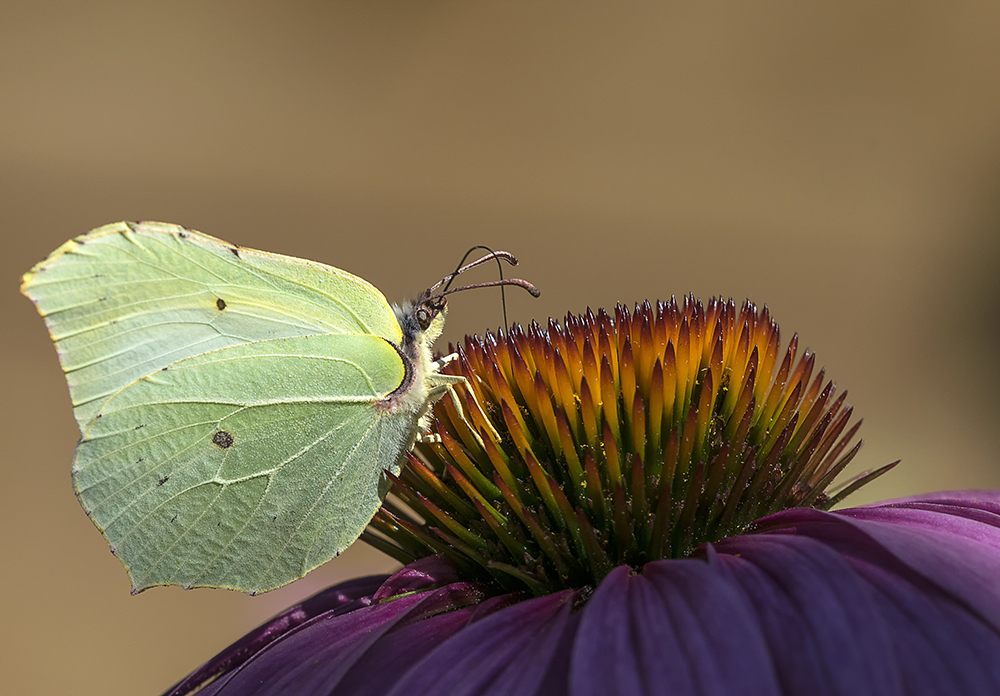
{"points": [[432, 571], [348, 595]]}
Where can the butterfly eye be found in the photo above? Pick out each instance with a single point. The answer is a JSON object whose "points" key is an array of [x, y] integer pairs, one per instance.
{"points": [[423, 318]]}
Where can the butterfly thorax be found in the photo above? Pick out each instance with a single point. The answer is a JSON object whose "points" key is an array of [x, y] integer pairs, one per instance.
{"points": [[421, 321]]}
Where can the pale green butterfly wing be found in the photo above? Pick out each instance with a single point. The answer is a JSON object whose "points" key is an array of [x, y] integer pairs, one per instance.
{"points": [[245, 467], [237, 407], [130, 298]]}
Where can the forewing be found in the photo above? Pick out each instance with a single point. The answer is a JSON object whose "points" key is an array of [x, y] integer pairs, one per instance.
{"points": [[128, 299], [245, 467]]}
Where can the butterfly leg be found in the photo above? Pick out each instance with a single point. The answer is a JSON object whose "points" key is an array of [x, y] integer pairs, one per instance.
{"points": [[445, 360], [439, 384], [446, 383]]}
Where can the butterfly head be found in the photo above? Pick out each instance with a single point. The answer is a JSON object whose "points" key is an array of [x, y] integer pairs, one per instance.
{"points": [[422, 318]]}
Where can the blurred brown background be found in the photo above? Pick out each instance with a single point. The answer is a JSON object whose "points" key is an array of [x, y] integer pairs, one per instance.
{"points": [[840, 163]]}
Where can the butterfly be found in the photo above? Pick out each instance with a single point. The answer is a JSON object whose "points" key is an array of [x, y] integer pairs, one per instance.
{"points": [[237, 408]]}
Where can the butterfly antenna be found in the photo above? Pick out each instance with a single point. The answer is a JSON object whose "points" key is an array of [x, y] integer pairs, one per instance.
{"points": [[501, 283]]}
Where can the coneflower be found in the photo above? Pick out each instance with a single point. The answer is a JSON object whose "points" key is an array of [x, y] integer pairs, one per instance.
{"points": [[638, 503], [619, 440]]}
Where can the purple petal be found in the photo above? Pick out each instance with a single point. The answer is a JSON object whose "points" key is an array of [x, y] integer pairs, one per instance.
{"points": [[821, 623], [513, 651], [340, 598], [386, 661], [960, 502], [314, 657], [955, 547], [975, 516], [433, 571], [423, 574], [932, 567], [960, 556], [941, 648], [680, 627]]}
